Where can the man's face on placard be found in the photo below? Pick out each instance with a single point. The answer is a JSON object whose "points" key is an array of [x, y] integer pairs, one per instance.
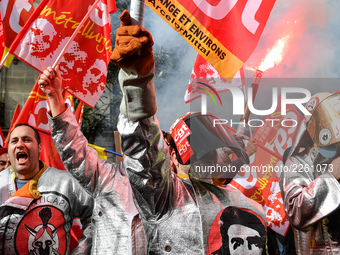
{"points": [[243, 240]]}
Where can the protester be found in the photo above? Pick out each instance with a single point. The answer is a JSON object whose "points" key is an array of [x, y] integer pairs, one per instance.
{"points": [[116, 228], [179, 216], [311, 194], [38, 203], [4, 161]]}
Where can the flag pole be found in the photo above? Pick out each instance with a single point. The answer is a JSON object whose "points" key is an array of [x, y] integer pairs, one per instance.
{"points": [[75, 33], [4, 60], [137, 12]]}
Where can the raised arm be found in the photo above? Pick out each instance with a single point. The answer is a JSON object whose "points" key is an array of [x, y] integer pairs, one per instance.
{"points": [[146, 160], [50, 82], [78, 158]]}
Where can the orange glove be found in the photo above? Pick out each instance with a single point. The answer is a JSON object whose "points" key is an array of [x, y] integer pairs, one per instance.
{"points": [[129, 39]]}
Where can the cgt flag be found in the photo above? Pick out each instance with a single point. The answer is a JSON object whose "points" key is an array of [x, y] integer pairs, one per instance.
{"points": [[14, 15], [205, 77], [224, 32], [260, 182], [84, 64]]}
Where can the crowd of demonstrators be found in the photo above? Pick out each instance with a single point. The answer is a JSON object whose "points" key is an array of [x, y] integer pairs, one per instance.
{"points": [[311, 197], [4, 161], [166, 203], [162, 202], [179, 216], [38, 203]]}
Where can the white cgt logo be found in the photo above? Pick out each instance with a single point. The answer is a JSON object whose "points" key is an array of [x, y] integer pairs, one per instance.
{"points": [[222, 9]]}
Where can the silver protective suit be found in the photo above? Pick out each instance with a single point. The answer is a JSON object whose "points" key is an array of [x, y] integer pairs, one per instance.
{"points": [[113, 206], [177, 214], [22, 215], [311, 197]]}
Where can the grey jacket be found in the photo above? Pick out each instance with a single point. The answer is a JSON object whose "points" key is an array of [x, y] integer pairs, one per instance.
{"points": [[179, 216], [311, 199], [40, 214], [113, 206]]}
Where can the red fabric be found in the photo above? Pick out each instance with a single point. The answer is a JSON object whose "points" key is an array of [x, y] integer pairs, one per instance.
{"points": [[274, 135], [76, 232], [14, 14], [261, 184], [84, 64], [68, 98], [79, 112], [224, 32], [203, 72], [2, 40], [14, 118]]}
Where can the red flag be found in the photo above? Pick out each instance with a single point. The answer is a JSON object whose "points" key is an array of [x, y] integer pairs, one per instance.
{"points": [[224, 32], [14, 118], [14, 14], [34, 114], [277, 136], [76, 232], [79, 112], [260, 181], [84, 64], [2, 40], [15, 115], [204, 76], [68, 98]]}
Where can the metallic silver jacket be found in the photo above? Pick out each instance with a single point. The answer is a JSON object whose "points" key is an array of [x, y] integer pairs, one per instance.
{"points": [[64, 198], [311, 199], [113, 207], [177, 214]]}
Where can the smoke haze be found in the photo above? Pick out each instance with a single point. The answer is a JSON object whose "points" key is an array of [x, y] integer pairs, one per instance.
{"points": [[311, 51]]}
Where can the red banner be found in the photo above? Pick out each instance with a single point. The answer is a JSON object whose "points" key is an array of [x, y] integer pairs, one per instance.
{"points": [[203, 74], [84, 64], [2, 40], [79, 112], [279, 131], [224, 32], [14, 15], [260, 181]]}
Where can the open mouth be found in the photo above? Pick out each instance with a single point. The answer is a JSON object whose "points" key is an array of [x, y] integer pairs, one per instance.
{"points": [[22, 157]]}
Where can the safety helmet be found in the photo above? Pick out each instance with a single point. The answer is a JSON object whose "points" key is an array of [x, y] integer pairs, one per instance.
{"points": [[324, 125], [194, 135], [314, 101]]}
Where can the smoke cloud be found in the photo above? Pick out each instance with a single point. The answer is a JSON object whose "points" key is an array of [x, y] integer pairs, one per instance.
{"points": [[311, 52]]}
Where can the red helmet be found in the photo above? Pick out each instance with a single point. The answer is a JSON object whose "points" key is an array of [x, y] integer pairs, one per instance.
{"points": [[194, 135]]}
